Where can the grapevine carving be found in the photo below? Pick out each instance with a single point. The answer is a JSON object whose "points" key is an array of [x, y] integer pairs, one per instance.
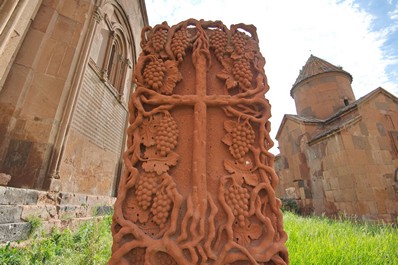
{"points": [[171, 208]]}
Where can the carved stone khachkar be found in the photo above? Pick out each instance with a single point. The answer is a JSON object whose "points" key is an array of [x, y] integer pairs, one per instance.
{"points": [[199, 182]]}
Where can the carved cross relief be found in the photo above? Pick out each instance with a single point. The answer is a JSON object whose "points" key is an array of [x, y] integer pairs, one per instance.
{"points": [[198, 186]]}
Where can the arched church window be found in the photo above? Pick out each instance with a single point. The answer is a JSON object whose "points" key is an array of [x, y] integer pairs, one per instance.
{"points": [[116, 62]]}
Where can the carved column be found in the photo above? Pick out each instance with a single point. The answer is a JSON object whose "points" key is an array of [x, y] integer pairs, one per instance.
{"points": [[199, 181]]}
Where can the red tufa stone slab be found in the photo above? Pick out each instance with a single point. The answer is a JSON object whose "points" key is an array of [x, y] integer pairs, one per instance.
{"points": [[199, 181]]}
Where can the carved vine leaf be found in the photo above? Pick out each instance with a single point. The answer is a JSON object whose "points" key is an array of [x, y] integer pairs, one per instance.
{"points": [[252, 45], [249, 55], [241, 172], [134, 213], [148, 132], [157, 163], [230, 82], [229, 125], [244, 235], [227, 139], [173, 76]]}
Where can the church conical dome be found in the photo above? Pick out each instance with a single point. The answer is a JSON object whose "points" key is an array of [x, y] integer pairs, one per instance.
{"points": [[315, 66], [321, 89]]}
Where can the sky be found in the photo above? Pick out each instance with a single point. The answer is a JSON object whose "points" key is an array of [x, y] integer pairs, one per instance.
{"points": [[359, 35]]}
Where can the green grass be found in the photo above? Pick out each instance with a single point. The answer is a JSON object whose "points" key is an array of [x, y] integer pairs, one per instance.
{"points": [[316, 240], [312, 240], [90, 244]]}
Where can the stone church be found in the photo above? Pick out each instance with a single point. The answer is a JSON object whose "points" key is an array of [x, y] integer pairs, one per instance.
{"points": [[65, 78], [339, 155]]}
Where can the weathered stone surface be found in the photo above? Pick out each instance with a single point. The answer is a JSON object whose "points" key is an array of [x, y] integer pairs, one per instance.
{"points": [[199, 184], [71, 198], [18, 196], [14, 231], [71, 211], [44, 212], [103, 210], [4, 179], [10, 214]]}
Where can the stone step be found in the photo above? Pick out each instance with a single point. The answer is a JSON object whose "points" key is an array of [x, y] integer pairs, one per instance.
{"points": [[14, 231]]}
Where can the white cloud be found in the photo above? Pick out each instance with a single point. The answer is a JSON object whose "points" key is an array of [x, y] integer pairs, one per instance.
{"points": [[394, 13], [289, 31]]}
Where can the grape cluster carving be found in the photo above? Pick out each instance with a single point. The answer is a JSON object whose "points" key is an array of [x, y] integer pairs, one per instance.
{"points": [[242, 138], [239, 41], [242, 72], [161, 207], [159, 39], [218, 41], [146, 188], [154, 74], [166, 136], [237, 198], [180, 43]]}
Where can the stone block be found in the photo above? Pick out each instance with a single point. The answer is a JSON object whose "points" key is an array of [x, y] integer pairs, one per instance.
{"points": [[381, 207], [44, 212], [338, 195], [48, 226], [32, 42], [10, 214], [375, 180], [43, 18], [381, 129], [43, 61], [65, 198], [51, 3], [69, 8], [363, 208], [48, 198], [99, 200], [57, 57], [392, 207], [4, 179], [45, 89], [55, 185], [329, 196], [64, 29], [82, 12], [2, 194], [66, 212], [346, 182], [364, 129], [334, 183], [14, 196], [382, 105], [364, 194], [372, 208], [360, 142], [103, 210], [14, 232], [66, 62], [349, 195]]}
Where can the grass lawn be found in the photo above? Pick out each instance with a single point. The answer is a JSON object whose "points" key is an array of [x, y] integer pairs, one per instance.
{"points": [[312, 240], [319, 240]]}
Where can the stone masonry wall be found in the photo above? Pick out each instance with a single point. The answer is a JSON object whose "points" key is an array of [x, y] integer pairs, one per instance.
{"points": [[352, 170], [96, 137], [55, 209]]}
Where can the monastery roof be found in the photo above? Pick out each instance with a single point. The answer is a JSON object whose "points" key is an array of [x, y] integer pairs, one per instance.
{"points": [[315, 66], [330, 129]]}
